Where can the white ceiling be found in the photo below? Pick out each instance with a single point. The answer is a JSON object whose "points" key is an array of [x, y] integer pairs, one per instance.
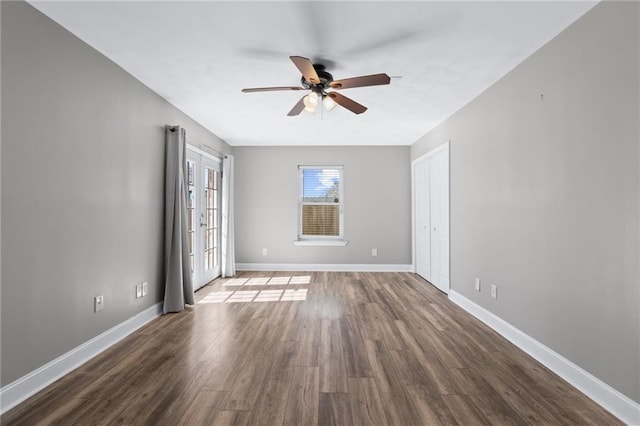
{"points": [[198, 55]]}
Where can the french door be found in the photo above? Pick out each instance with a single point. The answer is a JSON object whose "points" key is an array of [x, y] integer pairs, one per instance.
{"points": [[203, 211]]}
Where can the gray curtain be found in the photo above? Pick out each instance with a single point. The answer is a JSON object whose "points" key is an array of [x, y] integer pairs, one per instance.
{"points": [[178, 286], [228, 237]]}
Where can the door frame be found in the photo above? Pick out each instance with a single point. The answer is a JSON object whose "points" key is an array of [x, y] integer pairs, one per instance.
{"points": [[422, 158], [201, 156]]}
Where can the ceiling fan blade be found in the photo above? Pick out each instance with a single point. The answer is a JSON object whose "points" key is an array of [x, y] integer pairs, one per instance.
{"points": [[297, 108], [365, 80], [272, 89], [306, 68], [348, 103]]}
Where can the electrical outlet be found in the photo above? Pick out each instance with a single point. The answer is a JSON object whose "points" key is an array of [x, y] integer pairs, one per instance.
{"points": [[138, 290], [264, 252], [477, 284], [494, 291], [145, 288], [374, 252], [98, 303]]}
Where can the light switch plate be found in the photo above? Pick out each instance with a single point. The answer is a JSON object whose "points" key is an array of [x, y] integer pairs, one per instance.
{"points": [[98, 303]]}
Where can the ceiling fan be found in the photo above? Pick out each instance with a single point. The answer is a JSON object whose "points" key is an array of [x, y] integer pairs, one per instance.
{"points": [[318, 80]]}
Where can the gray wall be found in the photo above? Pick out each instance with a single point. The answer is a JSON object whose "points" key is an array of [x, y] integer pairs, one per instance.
{"points": [[545, 195], [82, 190], [376, 195]]}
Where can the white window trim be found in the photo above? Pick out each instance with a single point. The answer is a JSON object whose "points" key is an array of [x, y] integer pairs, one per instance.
{"points": [[320, 240], [321, 243]]}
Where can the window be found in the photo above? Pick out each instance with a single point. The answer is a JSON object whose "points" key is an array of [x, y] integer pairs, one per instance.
{"points": [[320, 207]]}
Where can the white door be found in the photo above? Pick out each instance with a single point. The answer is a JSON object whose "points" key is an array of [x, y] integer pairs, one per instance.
{"points": [[203, 211], [431, 217]]}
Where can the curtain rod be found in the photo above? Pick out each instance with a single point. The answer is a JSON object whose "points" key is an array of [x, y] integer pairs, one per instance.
{"points": [[200, 146], [206, 147]]}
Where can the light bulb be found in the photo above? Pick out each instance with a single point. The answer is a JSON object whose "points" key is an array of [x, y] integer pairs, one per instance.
{"points": [[310, 103], [329, 103], [313, 98], [307, 102]]}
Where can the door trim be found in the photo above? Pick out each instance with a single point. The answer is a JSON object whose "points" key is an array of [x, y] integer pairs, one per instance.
{"points": [[203, 153], [203, 160]]}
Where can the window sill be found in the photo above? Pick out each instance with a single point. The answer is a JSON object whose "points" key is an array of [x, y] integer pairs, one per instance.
{"points": [[321, 243]]}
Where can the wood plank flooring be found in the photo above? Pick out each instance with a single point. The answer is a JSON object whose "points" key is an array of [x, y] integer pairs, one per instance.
{"points": [[355, 349]]}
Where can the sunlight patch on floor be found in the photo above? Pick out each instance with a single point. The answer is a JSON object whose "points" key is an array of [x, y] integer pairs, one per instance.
{"points": [[302, 279], [236, 281], [300, 294], [232, 294], [296, 280], [245, 296], [268, 296], [279, 280], [242, 296], [217, 297]]}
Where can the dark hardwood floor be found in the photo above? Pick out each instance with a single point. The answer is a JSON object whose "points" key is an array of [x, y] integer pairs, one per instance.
{"points": [[353, 349]]}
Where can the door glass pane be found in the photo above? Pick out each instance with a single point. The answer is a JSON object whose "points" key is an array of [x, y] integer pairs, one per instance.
{"points": [[211, 218]]}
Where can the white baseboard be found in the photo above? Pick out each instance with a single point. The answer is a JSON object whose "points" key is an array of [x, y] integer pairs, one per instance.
{"points": [[26, 386], [329, 267], [615, 402]]}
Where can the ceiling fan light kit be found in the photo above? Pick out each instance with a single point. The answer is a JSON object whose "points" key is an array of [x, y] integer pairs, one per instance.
{"points": [[310, 102], [328, 103], [318, 80]]}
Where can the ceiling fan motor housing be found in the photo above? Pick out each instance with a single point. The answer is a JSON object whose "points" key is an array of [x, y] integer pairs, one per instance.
{"points": [[323, 75]]}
